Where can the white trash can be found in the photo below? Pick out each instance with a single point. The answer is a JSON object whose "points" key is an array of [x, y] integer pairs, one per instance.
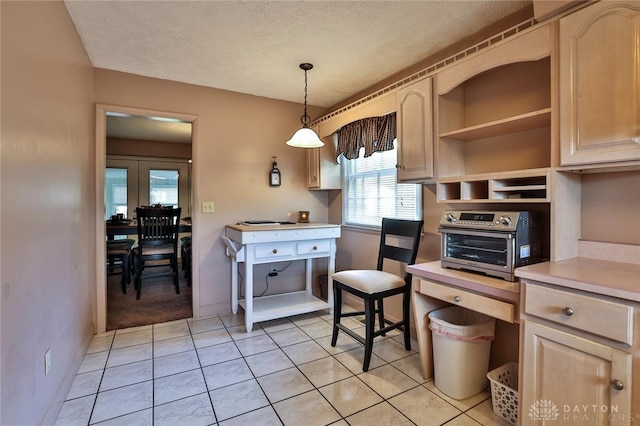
{"points": [[461, 347]]}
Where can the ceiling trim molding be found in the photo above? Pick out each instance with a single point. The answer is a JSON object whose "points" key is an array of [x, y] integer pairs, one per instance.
{"points": [[432, 69]]}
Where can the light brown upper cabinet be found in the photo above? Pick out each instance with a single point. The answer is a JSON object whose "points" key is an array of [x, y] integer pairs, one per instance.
{"points": [[494, 108], [494, 122], [323, 172], [415, 132], [600, 84]]}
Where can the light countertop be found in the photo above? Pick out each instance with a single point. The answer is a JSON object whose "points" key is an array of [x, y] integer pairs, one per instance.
{"points": [[615, 279], [280, 227]]}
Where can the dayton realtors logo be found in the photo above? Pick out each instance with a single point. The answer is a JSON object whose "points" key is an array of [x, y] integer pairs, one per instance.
{"points": [[545, 410]]}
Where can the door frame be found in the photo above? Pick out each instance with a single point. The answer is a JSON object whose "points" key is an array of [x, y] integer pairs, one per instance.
{"points": [[100, 309]]}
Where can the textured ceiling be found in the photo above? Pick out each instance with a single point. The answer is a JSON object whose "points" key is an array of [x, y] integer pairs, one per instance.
{"points": [[255, 47]]}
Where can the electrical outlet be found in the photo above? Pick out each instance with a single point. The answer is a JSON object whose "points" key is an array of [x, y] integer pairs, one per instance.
{"points": [[47, 361], [207, 207], [273, 272]]}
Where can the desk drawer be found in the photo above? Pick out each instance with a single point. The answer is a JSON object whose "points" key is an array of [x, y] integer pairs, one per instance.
{"points": [[594, 314], [313, 247], [476, 302], [266, 251]]}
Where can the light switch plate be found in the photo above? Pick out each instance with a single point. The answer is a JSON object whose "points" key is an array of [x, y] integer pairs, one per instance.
{"points": [[207, 207]]}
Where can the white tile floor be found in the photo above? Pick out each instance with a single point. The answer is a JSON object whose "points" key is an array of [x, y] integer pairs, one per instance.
{"points": [[211, 372]]}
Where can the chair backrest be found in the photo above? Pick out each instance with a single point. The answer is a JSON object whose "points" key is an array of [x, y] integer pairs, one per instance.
{"points": [[407, 251], [158, 226]]}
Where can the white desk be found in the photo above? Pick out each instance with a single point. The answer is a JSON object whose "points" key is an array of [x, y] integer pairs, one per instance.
{"points": [[258, 244]]}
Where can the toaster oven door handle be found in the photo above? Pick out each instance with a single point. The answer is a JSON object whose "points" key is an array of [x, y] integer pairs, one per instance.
{"points": [[477, 233]]}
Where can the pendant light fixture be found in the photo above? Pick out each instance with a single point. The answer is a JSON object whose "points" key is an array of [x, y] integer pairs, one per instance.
{"points": [[305, 137]]}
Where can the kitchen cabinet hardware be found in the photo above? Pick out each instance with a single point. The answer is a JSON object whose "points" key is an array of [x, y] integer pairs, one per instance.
{"points": [[617, 384], [457, 299], [567, 311]]}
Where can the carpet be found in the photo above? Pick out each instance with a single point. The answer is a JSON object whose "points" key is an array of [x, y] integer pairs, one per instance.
{"points": [[158, 302]]}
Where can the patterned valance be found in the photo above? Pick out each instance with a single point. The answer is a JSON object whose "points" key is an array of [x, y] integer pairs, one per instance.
{"points": [[372, 133]]}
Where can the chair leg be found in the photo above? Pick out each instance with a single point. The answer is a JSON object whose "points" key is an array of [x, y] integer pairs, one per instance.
{"points": [[176, 279], [370, 325], [337, 313], [138, 267], [381, 315], [125, 273], [406, 306]]}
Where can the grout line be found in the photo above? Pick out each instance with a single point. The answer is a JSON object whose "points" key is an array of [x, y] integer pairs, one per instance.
{"points": [[294, 326]]}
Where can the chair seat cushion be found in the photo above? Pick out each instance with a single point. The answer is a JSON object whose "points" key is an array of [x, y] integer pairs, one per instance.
{"points": [[118, 251], [154, 250], [369, 280]]}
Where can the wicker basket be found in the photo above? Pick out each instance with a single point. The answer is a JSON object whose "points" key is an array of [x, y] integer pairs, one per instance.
{"points": [[504, 391]]}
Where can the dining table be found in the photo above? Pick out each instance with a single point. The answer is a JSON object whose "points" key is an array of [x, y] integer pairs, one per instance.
{"points": [[130, 227]]}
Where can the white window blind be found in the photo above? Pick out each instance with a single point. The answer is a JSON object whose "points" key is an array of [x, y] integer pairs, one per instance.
{"points": [[371, 192]]}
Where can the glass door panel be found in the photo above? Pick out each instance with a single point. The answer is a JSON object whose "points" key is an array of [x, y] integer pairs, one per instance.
{"points": [[121, 187]]}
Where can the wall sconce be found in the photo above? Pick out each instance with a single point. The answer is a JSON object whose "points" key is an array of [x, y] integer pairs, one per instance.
{"points": [[303, 216]]}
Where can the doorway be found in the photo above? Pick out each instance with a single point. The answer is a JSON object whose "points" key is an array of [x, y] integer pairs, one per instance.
{"points": [[102, 111]]}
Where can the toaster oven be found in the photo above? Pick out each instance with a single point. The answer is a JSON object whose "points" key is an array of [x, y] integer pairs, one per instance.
{"points": [[494, 243]]}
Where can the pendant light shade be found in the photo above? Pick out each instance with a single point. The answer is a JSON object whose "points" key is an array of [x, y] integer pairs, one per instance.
{"points": [[305, 137]]}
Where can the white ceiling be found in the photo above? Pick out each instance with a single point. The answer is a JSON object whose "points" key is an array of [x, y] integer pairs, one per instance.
{"points": [[255, 47]]}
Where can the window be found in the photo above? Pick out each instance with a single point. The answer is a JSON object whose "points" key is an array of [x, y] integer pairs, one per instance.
{"points": [[115, 193], [371, 192], [163, 187]]}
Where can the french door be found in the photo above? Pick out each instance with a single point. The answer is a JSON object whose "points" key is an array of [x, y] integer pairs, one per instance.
{"points": [[132, 182]]}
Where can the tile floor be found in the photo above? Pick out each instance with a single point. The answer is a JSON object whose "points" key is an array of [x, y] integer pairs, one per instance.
{"points": [[211, 372]]}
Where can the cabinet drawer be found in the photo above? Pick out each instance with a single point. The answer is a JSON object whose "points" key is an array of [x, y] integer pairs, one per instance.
{"points": [[486, 305], [311, 247], [597, 315], [274, 250]]}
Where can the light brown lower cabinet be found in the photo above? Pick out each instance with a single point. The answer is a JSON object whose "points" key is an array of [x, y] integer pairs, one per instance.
{"points": [[570, 374]]}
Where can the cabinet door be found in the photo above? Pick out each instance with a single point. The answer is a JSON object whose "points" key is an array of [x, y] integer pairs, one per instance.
{"points": [[323, 172], [313, 168], [415, 131], [600, 84], [567, 379]]}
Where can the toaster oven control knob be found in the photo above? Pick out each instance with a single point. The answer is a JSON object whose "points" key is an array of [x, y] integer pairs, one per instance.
{"points": [[450, 218], [505, 220]]}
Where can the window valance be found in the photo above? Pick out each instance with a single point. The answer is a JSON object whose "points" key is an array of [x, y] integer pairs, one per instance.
{"points": [[372, 133]]}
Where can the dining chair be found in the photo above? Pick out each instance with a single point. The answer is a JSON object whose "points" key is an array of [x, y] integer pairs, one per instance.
{"points": [[399, 241], [157, 244], [120, 256]]}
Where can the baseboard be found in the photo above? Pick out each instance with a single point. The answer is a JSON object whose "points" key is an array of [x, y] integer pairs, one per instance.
{"points": [[55, 406]]}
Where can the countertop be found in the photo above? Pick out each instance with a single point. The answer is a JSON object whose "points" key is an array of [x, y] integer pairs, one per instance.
{"points": [[615, 279], [280, 227]]}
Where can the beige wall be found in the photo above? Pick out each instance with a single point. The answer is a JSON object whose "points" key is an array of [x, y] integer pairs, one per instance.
{"points": [[610, 206], [48, 245], [235, 137], [139, 148]]}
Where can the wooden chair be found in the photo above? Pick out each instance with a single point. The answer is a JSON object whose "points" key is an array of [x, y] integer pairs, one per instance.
{"points": [[120, 256], [372, 286], [157, 243]]}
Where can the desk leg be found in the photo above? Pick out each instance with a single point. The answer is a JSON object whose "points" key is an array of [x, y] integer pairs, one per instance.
{"points": [[234, 285], [331, 269], [422, 305], [248, 293], [307, 275]]}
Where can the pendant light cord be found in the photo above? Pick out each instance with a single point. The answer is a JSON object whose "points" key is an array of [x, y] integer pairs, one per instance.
{"points": [[305, 119]]}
